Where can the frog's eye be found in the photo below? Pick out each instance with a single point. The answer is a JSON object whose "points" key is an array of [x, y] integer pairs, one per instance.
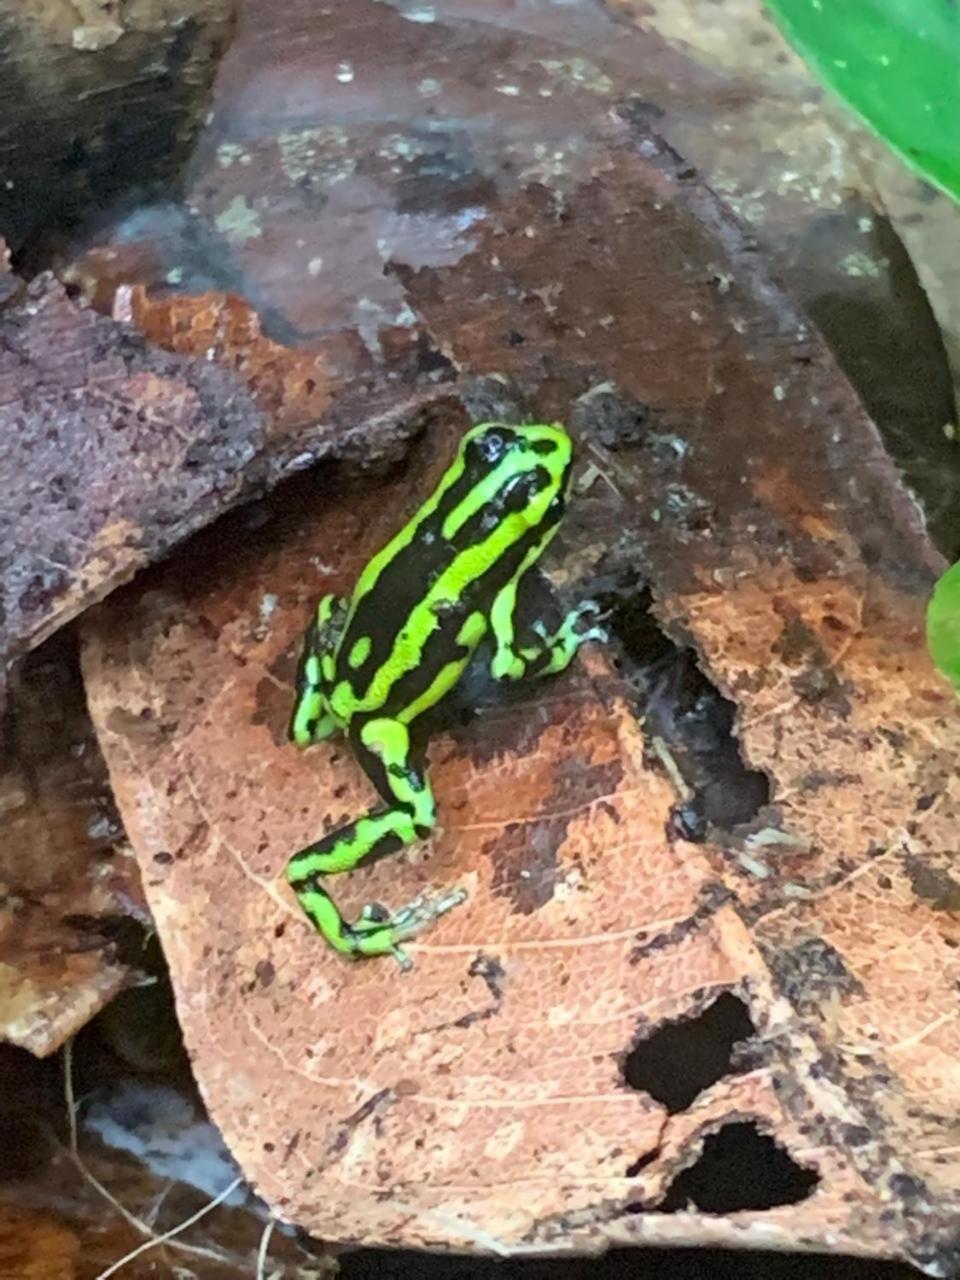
{"points": [[491, 446]]}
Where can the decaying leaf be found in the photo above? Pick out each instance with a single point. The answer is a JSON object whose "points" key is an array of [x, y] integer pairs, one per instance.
{"points": [[112, 452], [532, 1085], [496, 1063], [410, 1109], [115, 451], [68, 881]]}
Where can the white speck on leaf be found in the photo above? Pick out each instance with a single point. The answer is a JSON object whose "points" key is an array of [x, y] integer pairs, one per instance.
{"points": [[239, 221], [861, 265]]}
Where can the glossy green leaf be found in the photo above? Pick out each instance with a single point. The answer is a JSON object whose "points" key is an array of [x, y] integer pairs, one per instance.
{"points": [[897, 64], [943, 625]]}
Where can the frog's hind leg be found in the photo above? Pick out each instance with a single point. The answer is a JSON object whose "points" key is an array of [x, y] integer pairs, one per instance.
{"points": [[383, 749]]}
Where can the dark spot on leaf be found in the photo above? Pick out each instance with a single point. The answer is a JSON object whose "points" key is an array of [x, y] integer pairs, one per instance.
{"points": [[641, 1163], [611, 417], [524, 854], [810, 972], [933, 883]]}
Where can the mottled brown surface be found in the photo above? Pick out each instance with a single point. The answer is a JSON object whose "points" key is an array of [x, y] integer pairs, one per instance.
{"points": [[111, 454], [115, 451], [479, 1101], [68, 881]]}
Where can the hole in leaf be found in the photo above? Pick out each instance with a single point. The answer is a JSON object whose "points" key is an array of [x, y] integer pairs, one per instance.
{"points": [[690, 715], [739, 1168], [681, 1059]]}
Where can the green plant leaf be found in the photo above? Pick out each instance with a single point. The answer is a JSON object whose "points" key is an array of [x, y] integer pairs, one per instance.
{"points": [[897, 64], [943, 625]]}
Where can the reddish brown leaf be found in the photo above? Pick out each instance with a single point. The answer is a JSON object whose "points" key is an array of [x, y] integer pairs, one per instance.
{"points": [[67, 878], [585, 930], [509, 1032], [293, 386]]}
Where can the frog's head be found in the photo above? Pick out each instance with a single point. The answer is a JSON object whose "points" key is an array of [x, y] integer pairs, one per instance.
{"points": [[530, 450]]}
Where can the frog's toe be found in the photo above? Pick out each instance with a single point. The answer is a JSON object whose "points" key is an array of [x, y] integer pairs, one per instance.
{"points": [[373, 916], [417, 916], [422, 911], [377, 932], [600, 634], [592, 609], [592, 612]]}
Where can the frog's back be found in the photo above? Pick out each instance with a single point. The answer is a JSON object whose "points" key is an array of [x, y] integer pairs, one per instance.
{"points": [[421, 604]]}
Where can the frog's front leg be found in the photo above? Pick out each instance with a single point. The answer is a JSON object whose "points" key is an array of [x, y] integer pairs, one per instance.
{"points": [[311, 720], [540, 652], [383, 748]]}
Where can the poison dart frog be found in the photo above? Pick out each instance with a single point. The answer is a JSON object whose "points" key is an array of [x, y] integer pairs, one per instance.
{"points": [[373, 664]]}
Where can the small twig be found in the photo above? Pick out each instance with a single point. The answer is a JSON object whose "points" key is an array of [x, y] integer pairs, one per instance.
{"points": [[264, 1247], [74, 1150], [68, 1092], [138, 1224], [174, 1231], [666, 758]]}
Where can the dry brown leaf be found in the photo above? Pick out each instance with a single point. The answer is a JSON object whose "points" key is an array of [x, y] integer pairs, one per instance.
{"points": [[67, 878], [496, 1064]]}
